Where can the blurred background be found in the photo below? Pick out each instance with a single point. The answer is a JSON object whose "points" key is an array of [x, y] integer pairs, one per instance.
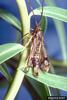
{"points": [[8, 34]]}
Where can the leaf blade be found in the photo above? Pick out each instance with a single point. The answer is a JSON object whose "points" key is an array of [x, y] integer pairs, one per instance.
{"points": [[9, 50], [5, 72], [41, 89], [51, 12], [50, 80], [10, 18]]}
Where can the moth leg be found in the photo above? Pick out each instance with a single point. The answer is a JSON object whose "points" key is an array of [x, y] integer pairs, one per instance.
{"points": [[26, 68], [29, 42], [26, 35]]}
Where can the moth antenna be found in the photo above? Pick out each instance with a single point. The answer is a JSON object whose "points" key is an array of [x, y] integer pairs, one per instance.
{"points": [[41, 12], [32, 12]]}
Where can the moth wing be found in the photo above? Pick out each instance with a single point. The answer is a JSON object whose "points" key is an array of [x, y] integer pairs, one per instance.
{"points": [[44, 59]]}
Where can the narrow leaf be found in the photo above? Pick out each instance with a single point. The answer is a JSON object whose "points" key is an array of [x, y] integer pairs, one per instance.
{"points": [[5, 72], [9, 50], [51, 80], [10, 18], [53, 12], [41, 89]]}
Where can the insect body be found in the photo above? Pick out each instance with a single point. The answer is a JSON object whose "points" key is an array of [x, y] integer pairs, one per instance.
{"points": [[38, 58]]}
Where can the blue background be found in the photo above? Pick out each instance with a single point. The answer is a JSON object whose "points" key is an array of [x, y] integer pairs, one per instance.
{"points": [[8, 34]]}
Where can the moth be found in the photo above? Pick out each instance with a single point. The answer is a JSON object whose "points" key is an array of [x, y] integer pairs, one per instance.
{"points": [[37, 57]]}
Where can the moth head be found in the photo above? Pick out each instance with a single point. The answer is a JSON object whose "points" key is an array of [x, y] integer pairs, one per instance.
{"points": [[37, 29]]}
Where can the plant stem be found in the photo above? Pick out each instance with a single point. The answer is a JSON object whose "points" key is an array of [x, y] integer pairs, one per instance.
{"points": [[19, 76], [25, 20], [15, 85]]}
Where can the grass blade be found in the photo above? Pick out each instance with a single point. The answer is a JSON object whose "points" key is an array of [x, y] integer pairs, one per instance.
{"points": [[53, 12], [41, 89], [5, 72], [51, 80], [9, 50], [10, 18]]}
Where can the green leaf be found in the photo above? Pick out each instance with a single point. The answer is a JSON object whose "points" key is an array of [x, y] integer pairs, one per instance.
{"points": [[10, 18], [51, 80], [41, 89], [9, 50], [53, 12], [5, 72]]}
